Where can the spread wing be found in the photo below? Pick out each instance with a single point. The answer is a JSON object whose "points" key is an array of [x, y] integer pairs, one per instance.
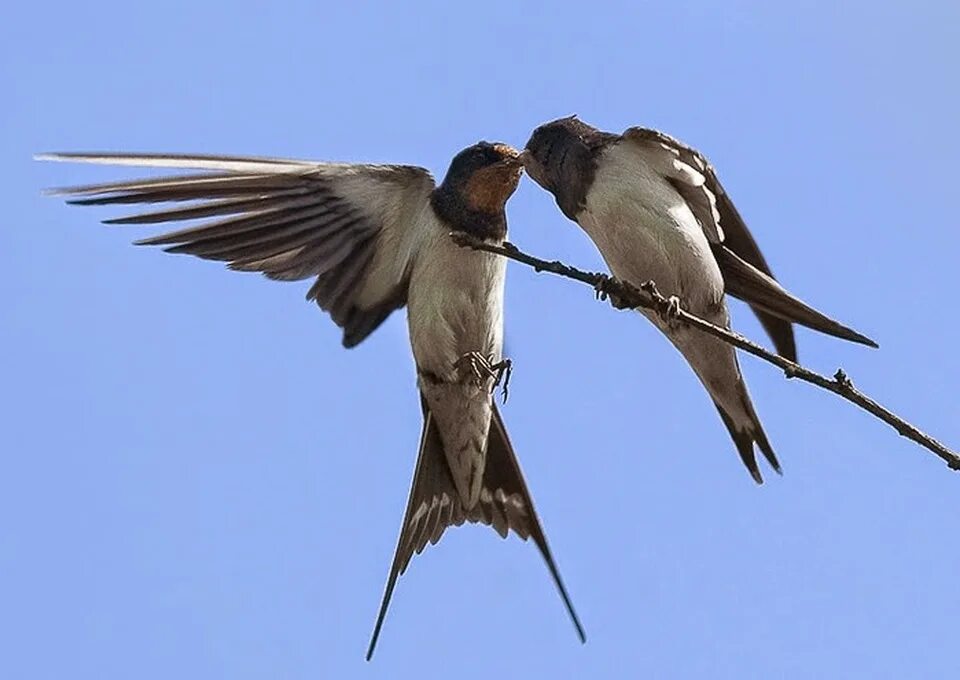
{"points": [[354, 228], [746, 274]]}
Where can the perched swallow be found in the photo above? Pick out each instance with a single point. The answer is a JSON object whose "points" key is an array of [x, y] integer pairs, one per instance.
{"points": [[375, 238], [656, 211]]}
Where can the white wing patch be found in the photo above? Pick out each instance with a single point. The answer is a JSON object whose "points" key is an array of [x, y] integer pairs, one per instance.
{"points": [[686, 171]]}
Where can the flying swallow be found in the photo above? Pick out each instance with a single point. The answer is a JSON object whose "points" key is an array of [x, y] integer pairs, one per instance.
{"points": [[656, 211], [374, 238]]}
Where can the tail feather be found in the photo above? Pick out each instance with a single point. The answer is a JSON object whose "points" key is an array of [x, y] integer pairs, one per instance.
{"points": [[505, 504], [511, 496], [745, 435], [715, 365]]}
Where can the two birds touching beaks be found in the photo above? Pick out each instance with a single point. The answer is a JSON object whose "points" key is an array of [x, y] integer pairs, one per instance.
{"points": [[375, 238]]}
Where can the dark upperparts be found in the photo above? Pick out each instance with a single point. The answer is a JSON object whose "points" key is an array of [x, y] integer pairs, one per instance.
{"points": [[561, 156], [474, 192]]}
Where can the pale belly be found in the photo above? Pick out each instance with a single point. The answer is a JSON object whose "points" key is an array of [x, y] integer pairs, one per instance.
{"points": [[455, 306], [645, 231]]}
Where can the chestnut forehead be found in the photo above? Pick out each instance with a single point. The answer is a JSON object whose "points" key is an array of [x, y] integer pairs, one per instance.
{"points": [[505, 149]]}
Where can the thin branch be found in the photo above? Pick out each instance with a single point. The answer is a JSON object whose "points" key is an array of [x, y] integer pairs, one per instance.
{"points": [[622, 294]]}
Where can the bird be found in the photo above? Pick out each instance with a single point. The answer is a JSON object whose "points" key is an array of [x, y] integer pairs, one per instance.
{"points": [[374, 238], [656, 211]]}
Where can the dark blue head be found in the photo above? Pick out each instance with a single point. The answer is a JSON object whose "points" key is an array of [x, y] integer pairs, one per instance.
{"points": [[486, 171], [561, 157], [475, 190]]}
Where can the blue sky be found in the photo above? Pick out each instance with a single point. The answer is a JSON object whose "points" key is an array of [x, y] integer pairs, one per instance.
{"points": [[200, 482]]}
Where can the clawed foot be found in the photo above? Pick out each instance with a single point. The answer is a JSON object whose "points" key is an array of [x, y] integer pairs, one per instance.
{"points": [[672, 311], [473, 365], [669, 308], [602, 291], [480, 369], [669, 311], [504, 369]]}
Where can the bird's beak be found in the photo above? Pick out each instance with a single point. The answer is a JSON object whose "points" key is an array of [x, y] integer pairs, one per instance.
{"points": [[511, 156], [523, 157]]}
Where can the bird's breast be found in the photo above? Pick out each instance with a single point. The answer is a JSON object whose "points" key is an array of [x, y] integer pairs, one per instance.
{"points": [[645, 230], [455, 305]]}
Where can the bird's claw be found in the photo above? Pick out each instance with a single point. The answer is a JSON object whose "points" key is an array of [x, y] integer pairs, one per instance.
{"points": [[672, 310], [667, 307], [476, 365], [600, 287], [504, 370], [479, 369], [602, 290]]}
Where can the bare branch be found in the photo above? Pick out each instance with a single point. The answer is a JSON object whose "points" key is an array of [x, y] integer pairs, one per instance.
{"points": [[622, 294]]}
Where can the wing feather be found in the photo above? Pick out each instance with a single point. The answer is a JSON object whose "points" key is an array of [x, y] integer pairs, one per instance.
{"points": [[686, 171], [747, 276], [356, 228], [730, 231]]}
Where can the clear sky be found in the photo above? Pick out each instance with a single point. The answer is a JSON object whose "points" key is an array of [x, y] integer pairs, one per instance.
{"points": [[199, 482]]}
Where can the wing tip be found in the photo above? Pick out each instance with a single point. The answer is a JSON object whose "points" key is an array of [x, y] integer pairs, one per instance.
{"points": [[117, 220], [780, 331], [57, 192], [68, 156], [149, 241], [845, 333], [349, 341]]}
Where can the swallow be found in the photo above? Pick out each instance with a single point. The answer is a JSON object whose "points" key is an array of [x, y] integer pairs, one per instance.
{"points": [[656, 211], [374, 238]]}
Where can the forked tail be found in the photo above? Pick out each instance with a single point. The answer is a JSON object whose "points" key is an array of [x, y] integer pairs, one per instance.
{"points": [[505, 504]]}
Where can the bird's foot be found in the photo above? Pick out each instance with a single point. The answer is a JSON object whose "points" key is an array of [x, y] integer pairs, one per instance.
{"points": [[475, 367], [603, 290], [672, 310], [668, 307], [503, 370], [478, 368]]}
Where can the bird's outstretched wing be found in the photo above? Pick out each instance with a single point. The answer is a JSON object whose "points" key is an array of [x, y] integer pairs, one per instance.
{"points": [[355, 228], [746, 274]]}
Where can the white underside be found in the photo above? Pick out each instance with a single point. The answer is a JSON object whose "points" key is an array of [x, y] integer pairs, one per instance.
{"points": [[455, 306], [645, 231]]}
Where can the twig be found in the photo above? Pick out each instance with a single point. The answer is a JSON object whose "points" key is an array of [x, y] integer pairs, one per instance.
{"points": [[624, 294]]}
